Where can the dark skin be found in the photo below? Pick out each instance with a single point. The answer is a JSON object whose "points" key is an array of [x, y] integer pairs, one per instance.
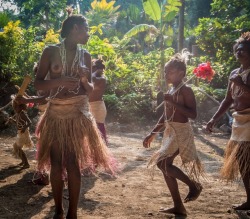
{"points": [[22, 123], [239, 103], [185, 109], [24, 120], [99, 81], [50, 62]]}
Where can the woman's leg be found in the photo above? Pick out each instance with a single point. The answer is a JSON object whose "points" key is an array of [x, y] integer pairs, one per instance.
{"points": [[74, 185], [246, 182], [56, 180]]}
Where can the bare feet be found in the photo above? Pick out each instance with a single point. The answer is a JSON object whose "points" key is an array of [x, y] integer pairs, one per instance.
{"points": [[194, 192], [174, 210], [244, 206]]}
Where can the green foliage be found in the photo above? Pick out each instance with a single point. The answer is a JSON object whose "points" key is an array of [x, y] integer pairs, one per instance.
{"points": [[97, 46], [152, 9], [104, 13], [43, 14], [132, 81], [4, 19], [18, 52]]}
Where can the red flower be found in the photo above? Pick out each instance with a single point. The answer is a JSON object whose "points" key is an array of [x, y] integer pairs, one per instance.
{"points": [[30, 105], [204, 71]]}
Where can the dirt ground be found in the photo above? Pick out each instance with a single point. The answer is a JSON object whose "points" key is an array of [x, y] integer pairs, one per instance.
{"points": [[133, 194]]}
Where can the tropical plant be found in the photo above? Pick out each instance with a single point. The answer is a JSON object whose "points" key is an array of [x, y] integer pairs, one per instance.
{"points": [[42, 14], [102, 13], [162, 14]]}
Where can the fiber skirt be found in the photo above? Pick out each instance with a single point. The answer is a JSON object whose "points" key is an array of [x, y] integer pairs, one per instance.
{"points": [[69, 124]]}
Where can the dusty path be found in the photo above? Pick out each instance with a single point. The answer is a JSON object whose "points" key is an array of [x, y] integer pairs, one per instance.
{"points": [[133, 195]]}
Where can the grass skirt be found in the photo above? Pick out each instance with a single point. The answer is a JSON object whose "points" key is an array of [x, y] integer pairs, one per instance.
{"points": [[179, 137], [237, 154], [237, 157], [68, 123]]}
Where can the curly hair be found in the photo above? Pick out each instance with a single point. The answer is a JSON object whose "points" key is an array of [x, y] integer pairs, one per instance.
{"points": [[244, 39], [179, 61], [69, 22]]}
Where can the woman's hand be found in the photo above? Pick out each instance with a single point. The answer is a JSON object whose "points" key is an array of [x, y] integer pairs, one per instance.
{"points": [[210, 124], [83, 73], [147, 141], [69, 82]]}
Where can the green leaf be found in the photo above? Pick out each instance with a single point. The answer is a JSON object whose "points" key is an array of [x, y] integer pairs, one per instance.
{"points": [[152, 9], [140, 28]]}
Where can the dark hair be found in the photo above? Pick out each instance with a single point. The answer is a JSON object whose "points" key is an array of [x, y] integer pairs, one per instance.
{"points": [[69, 22], [98, 63], [178, 61], [244, 39]]}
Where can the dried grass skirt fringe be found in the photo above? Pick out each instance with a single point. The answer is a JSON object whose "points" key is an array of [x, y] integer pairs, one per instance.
{"points": [[179, 136], [237, 154], [68, 123]]}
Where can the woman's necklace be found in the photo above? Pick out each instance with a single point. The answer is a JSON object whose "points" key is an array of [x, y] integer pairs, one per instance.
{"points": [[237, 91], [74, 70]]}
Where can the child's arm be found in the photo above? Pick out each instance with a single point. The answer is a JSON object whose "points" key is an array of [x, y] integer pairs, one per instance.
{"points": [[188, 109], [149, 138]]}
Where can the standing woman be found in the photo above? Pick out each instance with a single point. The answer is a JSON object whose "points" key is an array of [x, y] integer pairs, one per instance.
{"points": [[69, 140]]}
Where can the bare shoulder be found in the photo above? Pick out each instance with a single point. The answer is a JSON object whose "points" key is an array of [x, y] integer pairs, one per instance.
{"points": [[187, 90], [50, 49]]}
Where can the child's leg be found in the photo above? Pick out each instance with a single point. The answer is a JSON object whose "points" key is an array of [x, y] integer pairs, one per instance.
{"points": [[74, 185], [16, 152], [173, 171], [171, 182], [56, 181], [24, 159], [20, 153]]}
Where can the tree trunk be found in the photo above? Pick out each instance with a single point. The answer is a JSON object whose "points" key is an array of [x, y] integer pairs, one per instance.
{"points": [[181, 26]]}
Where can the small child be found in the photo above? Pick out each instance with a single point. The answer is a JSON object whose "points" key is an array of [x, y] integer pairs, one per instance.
{"points": [[96, 102], [23, 135], [178, 139], [39, 178]]}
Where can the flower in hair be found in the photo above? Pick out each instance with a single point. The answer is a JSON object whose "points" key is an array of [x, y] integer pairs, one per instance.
{"points": [[204, 71]]}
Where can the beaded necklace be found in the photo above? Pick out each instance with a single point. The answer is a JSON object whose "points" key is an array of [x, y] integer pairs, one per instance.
{"points": [[74, 70], [173, 91], [237, 91]]}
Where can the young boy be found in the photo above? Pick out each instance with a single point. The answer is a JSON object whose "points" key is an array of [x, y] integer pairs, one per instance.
{"points": [[23, 136], [178, 139], [237, 155]]}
